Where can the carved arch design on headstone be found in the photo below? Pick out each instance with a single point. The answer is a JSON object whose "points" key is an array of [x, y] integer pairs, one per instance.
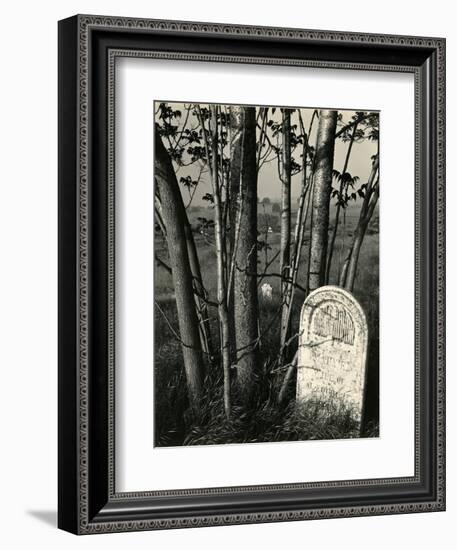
{"points": [[329, 321]]}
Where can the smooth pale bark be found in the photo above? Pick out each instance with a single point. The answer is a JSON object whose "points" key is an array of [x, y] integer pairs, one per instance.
{"points": [[299, 234], [243, 185], [291, 370], [325, 147], [174, 217], [221, 271], [235, 140], [284, 256]]}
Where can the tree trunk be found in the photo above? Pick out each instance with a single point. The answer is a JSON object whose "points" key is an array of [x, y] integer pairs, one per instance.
{"points": [[358, 240], [338, 206], [233, 185], [284, 258], [349, 270], [243, 186], [325, 146], [220, 267], [200, 294], [197, 282], [299, 235], [175, 218]]}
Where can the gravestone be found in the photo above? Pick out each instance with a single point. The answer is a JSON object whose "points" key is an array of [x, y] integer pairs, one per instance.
{"points": [[267, 292], [332, 352]]}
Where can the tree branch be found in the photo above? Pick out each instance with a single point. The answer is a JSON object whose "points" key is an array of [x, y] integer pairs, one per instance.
{"points": [[163, 264]]}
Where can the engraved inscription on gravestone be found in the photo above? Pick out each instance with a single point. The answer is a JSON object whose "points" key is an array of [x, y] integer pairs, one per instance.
{"points": [[332, 349]]}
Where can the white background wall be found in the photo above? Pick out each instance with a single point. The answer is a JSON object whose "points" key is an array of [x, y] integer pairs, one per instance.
{"points": [[28, 289]]}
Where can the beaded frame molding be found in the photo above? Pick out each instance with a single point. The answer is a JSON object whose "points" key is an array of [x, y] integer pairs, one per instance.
{"points": [[88, 48]]}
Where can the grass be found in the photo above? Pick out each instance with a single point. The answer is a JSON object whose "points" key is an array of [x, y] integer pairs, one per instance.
{"points": [[265, 421]]}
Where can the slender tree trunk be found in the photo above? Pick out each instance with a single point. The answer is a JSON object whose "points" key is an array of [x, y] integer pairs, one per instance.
{"points": [[174, 217], [285, 199], [243, 185], [288, 379], [284, 256], [199, 289], [358, 240], [299, 235], [234, 206], [224, 323], [349, 270], [338, 206], [321, 198], [263, 113], [291, 370], [200, 294]]}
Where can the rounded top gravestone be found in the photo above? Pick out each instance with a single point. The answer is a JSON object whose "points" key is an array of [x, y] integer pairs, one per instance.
{"points": [[332, 350]]}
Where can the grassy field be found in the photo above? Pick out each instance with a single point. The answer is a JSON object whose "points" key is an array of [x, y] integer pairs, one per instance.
{"points": [[267, 421]]}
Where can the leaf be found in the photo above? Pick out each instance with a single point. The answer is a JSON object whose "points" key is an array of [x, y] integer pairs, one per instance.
{"points": [[188, 182], [208, 197]]}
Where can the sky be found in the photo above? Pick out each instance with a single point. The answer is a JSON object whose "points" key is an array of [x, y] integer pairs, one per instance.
{"points": [[269, 184]]}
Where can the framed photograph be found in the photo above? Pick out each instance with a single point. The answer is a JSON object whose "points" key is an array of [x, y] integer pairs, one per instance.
{"points": [[251, 274]]}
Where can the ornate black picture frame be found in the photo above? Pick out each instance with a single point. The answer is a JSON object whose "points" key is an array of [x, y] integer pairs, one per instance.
{"points": [[88, 501]]}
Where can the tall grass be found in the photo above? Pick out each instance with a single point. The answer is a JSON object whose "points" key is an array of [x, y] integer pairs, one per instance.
{"points": [[265, 420]]}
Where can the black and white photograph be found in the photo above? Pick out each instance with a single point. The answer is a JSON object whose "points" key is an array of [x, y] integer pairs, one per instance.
{"points": [[266, 277], [251, 275], [226, 290]]}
